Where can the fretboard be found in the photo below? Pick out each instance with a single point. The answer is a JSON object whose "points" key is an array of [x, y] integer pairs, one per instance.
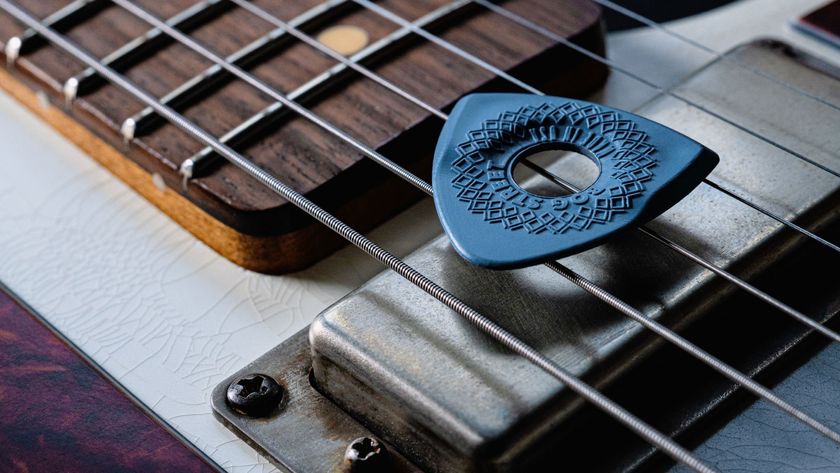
{"points": [[222, 205]]}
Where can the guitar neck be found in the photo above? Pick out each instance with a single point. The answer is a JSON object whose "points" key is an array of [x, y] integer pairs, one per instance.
{"points": [[229, 210]]}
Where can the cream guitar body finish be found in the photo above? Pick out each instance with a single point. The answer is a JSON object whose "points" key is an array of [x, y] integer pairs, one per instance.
{"points": [[167, 317]]}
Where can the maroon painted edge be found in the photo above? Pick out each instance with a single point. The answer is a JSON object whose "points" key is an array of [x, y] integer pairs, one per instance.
{"points": [[60, 412]]}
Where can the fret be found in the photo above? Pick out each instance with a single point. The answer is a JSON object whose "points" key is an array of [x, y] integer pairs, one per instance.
{"points": [[62, 19], [255, 125], [66, 17], [214, 76], [138, 49]]}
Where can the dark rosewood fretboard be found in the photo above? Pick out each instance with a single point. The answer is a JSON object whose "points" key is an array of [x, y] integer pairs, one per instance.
{"points": [[224, 207]]}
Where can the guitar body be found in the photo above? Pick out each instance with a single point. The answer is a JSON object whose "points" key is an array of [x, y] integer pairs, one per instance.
{"points": [[156, 298]]}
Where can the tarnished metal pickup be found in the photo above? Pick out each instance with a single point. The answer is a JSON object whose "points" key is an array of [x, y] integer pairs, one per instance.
{"points": [[450, 400]]}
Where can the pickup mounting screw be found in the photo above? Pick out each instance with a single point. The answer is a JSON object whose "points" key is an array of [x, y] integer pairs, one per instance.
{"points": [[365, 454], [254, 395]]}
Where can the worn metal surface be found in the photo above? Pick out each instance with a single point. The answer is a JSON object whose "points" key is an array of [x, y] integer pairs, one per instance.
{"points": [[306, 432], [455, 401]]}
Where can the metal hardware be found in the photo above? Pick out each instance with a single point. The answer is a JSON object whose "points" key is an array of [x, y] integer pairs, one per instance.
{"points": [[311, 434], [366, 455], [254, 394]]}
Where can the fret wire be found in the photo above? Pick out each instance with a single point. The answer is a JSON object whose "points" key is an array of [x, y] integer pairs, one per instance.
{"points": [[612, 65], [446, 45], [716, 54], [254, 52], [146, 44], [484, 324], [65, 17], [341, 58], [697, 353]]}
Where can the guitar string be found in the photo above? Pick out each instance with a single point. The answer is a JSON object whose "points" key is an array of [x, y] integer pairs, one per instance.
{"points": [[718, 365], [274, 20], [389, 15], [484, 324], [716, 54], [656, 236]]}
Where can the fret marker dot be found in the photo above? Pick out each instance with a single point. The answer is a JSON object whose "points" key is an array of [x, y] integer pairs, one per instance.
{"points": [[344, 39]]}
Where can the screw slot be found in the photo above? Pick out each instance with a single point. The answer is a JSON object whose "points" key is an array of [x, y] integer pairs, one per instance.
{"points": [[255, 395]]}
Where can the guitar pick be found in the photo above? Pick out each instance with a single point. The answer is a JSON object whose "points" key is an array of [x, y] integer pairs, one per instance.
{"points": [[645, 168]]}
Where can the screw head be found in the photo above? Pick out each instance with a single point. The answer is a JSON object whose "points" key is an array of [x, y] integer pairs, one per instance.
{"points": [[365, 454], [254, 395]]}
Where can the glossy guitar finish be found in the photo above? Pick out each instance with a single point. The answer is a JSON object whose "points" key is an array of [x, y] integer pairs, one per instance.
{"points": [[57, 413], [645, 168]]}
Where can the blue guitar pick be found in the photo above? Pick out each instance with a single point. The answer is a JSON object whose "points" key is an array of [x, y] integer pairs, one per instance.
{"points": [[645, 169]]}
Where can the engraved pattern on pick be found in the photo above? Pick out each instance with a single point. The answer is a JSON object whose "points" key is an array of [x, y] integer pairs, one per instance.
{"points": [[486, 187]]}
